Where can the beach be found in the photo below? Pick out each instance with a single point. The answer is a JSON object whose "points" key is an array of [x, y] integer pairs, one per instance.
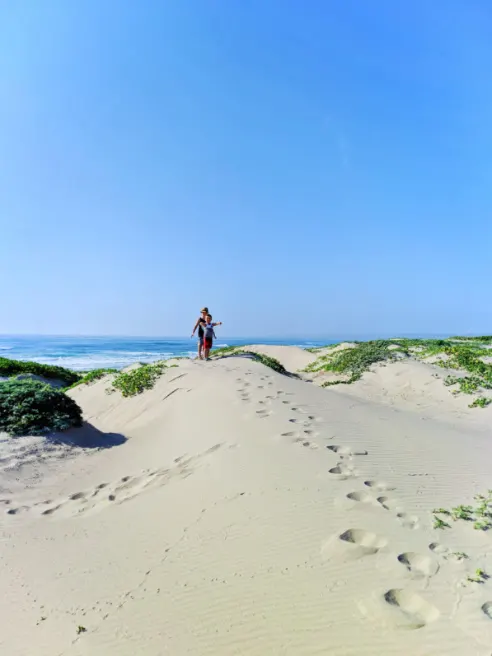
{"points": [[235, 509]]}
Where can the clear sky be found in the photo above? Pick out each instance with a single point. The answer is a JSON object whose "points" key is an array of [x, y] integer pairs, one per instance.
{"points": [[308, 168]]}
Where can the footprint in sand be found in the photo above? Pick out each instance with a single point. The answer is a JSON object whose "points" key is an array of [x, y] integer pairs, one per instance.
{"points": [[379, 485], [361, 497], [347, 451], [364, 542], [387, 503], [300, 422], [414, 611], [439, 549], [342, 471], [418, 565], [487, 609], [99, 487], [77, 496], [408, 521], [262, 414], [50, 511], [306, 443]]}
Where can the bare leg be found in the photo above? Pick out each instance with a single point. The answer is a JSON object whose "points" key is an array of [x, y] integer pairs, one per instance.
{"points": [[200, 349], [207, 351]]}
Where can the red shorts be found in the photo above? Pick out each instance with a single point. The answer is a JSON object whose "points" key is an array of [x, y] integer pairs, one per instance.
{"points": [[207, 342]]}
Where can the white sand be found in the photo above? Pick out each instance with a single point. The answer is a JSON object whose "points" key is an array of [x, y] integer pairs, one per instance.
{"points": [[249, 513]]}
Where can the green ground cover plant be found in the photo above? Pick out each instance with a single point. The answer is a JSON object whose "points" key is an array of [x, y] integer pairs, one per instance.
{"points": [[273, 363], [92, 376], [481, 402], [352, 362], [30, 407], [483, 339], [479, 514], [15, 367], [138, 380]]}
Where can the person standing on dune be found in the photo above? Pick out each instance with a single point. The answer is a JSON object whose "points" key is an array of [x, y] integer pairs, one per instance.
{"points": [[198, 324]]}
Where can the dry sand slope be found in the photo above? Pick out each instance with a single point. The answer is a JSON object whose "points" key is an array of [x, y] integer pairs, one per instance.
{"points": [[247, 513]]}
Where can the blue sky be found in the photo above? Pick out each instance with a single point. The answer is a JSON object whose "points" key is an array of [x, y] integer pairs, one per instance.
{"points": [[309, 168]]}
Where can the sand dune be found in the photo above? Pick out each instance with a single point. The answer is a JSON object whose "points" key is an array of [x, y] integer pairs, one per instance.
{"points": [[246, 512]]}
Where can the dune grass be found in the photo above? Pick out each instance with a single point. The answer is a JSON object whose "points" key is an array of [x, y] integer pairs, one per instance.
{"points": [[15, 367]]}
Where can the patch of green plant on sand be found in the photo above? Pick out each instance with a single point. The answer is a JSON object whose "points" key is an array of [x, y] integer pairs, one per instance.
{"points": [[92, 376], [15, 367], [30, 407], [317, 349], [273, 363], [480, 402], [138, 380], [353, 361], [223, 350], [483, 339], [480, 514], [480, 576]]}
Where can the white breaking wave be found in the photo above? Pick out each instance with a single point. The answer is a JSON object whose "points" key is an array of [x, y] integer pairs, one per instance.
{"points": [[116, 360]]}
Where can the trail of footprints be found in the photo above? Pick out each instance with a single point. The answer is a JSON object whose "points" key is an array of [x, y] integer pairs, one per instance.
{"points": [[414, 611], [411, 610], [104, 494]]}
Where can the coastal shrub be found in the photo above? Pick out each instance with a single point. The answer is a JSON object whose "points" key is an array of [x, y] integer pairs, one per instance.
{"points": [[138, 380], [29, 407], [92, 376], [13, 367]]}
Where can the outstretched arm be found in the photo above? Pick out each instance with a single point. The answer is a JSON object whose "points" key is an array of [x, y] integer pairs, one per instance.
{"points": [[196, 326], [219, 323]]}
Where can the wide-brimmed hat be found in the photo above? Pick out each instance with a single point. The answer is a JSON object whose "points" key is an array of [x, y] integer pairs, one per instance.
{"points": [[205, 309]]}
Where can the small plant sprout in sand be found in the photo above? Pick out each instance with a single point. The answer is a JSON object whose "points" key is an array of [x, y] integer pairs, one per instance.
{"points": [[81, 629], [458, 555], [480, 402], [480, 515], [462, 512], [482, 526], [480, 576], [439, 523]]}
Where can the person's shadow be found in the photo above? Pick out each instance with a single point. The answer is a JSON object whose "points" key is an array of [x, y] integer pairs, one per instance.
{"points": [[87, 437]]}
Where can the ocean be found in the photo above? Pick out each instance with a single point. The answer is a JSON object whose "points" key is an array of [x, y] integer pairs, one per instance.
{"points": [[86, 353]]}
